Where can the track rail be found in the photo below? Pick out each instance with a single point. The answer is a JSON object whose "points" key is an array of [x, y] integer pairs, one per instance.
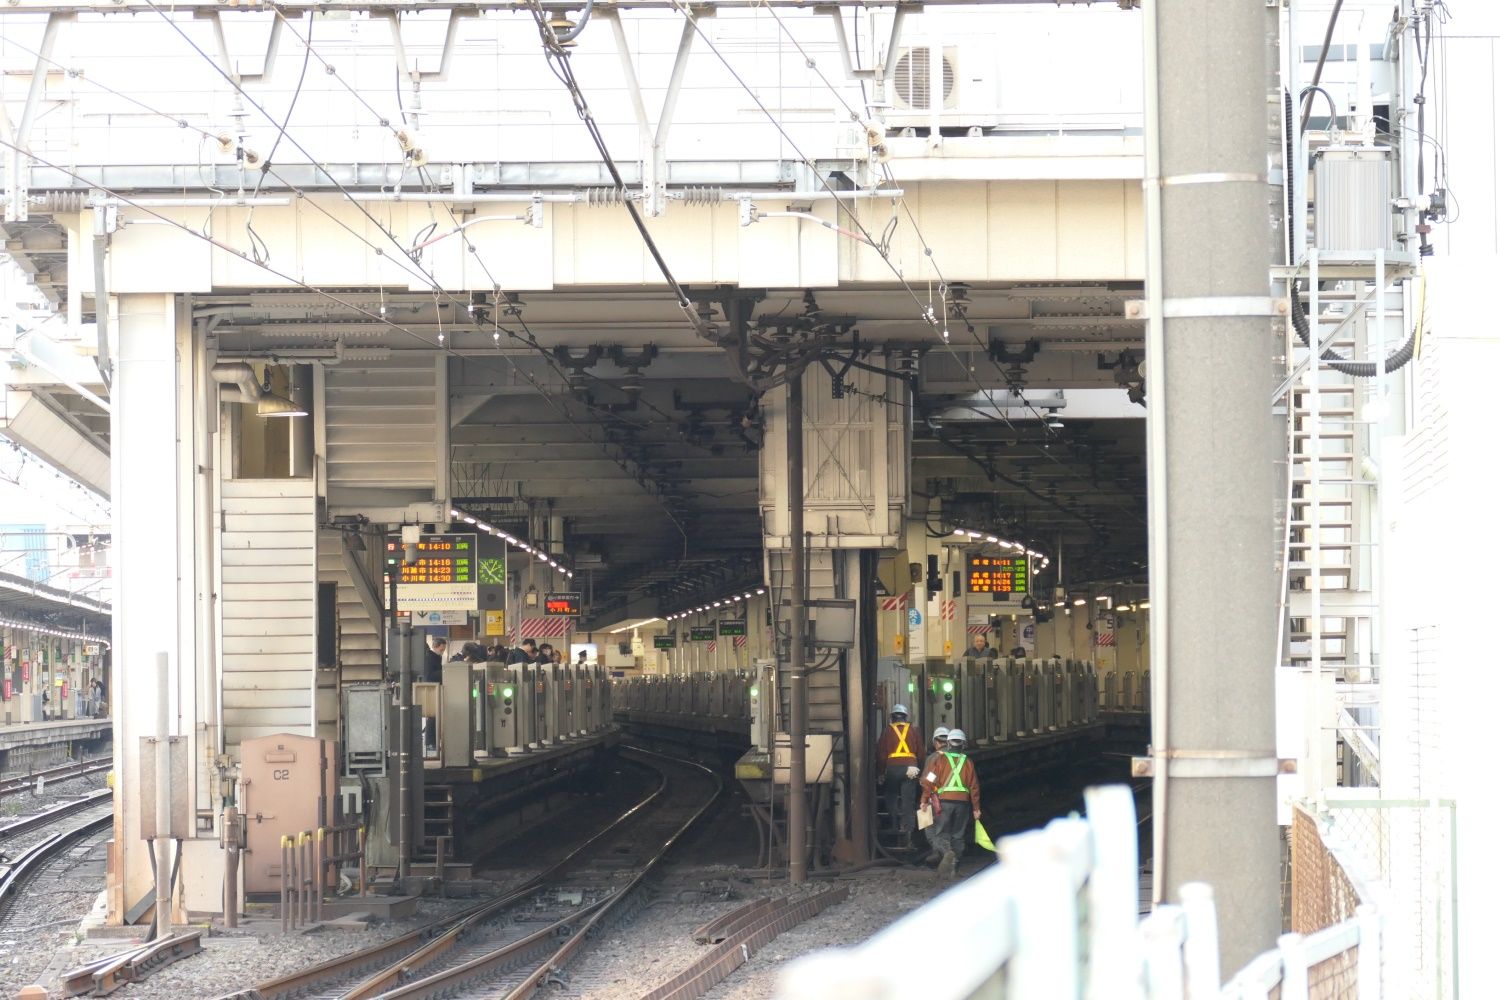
{"points": [[398, 959], [63, 772], [49, 816], [33, 858]]}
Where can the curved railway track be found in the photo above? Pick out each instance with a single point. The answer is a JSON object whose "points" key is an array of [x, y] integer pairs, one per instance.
{"points": [[512, 944], [23, 866]]}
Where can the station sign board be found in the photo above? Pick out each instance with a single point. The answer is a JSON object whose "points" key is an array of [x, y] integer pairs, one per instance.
{"points": [[732, 627], [560, 603], [443, 578], [666, 640], [998, 575], [701, 633]]}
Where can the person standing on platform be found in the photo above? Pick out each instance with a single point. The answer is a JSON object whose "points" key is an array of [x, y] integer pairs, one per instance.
{"points": [[432, 665], [980, 649], [896, 753], [524, 653], [951, 785]]}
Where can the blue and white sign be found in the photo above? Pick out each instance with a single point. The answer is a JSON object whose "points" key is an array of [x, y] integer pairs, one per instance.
{"points": [[1028, 637], [913, 618]]}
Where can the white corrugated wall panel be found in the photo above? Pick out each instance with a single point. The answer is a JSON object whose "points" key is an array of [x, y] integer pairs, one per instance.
{"points": [[268, 606]]}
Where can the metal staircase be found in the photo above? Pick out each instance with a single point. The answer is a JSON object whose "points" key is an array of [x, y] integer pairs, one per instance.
{"points": [[1334, 533]]}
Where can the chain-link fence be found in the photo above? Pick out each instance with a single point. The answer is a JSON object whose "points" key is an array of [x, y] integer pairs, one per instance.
{"points": [[1322, 894], [1398, 853]]}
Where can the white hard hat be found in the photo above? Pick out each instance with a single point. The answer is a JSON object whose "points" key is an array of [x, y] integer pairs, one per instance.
{"points": [[899, 710], [956, 736], [940, 732]]}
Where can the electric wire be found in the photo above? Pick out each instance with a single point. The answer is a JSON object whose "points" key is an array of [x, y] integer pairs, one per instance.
{"points": [[282, 132], [124, 199], [257, 244], [558, 61], [429, 185], [179, 120], [883, 249]]}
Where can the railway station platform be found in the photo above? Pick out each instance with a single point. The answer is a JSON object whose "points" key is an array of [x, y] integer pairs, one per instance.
{"points": [[33, 743], [483, 806]]}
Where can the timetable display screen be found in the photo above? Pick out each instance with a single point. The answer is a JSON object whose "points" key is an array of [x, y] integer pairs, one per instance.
{"points": [[999, 575], [444, 576], [440, 559], [563, 604], [731, 626]]}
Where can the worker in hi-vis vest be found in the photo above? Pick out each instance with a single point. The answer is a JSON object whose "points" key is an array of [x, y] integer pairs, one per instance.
{"points": [[900, 753], [951, 785]]}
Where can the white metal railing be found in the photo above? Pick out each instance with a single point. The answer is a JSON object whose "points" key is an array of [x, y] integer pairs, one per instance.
{"points": [[1058, 917]]}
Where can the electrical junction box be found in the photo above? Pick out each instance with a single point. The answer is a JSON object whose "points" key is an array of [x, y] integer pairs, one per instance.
{"points": [[819, 763], [1352, 211]]}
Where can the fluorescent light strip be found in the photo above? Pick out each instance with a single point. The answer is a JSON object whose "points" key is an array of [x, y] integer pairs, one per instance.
{"points": [[48, 630]]}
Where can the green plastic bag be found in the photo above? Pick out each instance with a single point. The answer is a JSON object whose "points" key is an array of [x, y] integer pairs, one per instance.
{"points": [[981, 838]]}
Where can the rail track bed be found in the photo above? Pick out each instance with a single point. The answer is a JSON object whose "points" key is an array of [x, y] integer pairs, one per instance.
{"points": [[18, 783], [511, 945]]}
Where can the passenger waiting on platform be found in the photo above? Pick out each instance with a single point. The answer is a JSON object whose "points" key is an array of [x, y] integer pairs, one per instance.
{"points": [[472, 652], [97, 688], [951, 786], [524, 653], [896, 768], [432, 665], [980, 648], [496, 653]]}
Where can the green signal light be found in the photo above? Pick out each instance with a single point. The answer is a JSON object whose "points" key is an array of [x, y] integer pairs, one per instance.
{"points": [[755, 692], [508, 692], [910, 686], [947, 687], [474, 692]]}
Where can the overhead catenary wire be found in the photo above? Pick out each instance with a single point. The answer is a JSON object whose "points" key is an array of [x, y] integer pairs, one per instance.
{"points": [[558, 61], [642, 472], [282, 133], [882, 248], [124, 199]]}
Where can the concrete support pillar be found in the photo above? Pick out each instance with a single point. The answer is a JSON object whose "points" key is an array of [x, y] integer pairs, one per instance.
{"points": [[1214, 450], [155, 540]]}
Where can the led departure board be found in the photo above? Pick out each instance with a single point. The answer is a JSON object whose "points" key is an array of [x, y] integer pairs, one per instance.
{"points": [[563, 604], [667, 640], [998, 575], [444, 576], [731, 626], [701, 633]]}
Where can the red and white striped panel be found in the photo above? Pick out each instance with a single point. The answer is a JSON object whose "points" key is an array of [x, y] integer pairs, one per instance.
{"points": [[897, 603], [545, 628], [950, 609], [741, 641], [979, 630], [1104, 639], [713, 645]]}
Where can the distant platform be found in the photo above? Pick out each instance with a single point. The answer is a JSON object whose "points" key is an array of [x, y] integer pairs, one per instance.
{"points": [[33, 734]]}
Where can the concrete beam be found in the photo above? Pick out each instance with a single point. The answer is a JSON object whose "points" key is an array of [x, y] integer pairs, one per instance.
{"points": [[46, 431]]}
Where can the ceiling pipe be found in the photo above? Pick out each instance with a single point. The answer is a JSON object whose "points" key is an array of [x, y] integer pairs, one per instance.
{"points": [[240, 375]]}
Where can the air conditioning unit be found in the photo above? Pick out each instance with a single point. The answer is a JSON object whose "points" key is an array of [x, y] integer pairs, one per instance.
{"points": [[970, 96], [911, 82]]}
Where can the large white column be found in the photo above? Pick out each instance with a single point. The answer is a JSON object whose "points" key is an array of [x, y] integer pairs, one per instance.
{"points": [[151, 485]]}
